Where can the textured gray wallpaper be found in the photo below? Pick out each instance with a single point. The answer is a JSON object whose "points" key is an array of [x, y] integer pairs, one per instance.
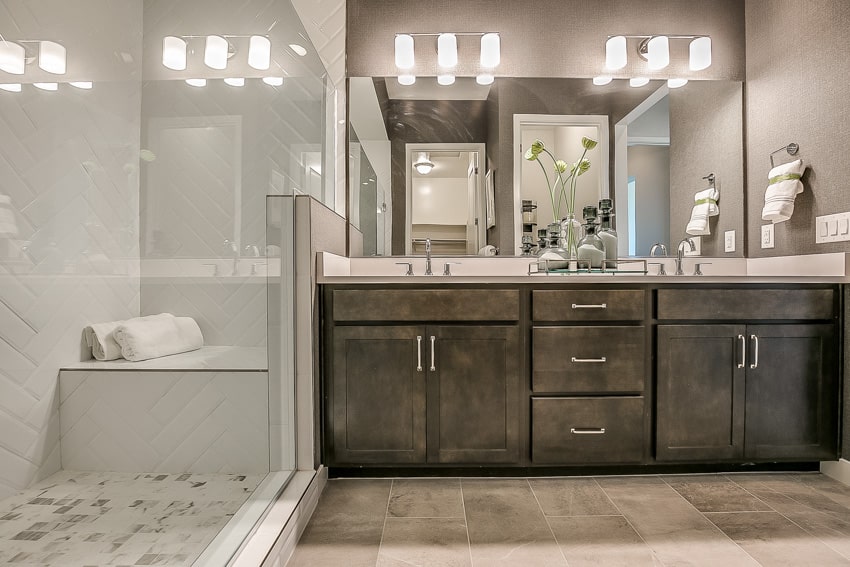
{"points": [[796, 91], [705, 137]]}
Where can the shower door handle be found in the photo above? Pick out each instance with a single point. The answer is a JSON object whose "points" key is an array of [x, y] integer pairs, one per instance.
{"points": [[419, 353]]}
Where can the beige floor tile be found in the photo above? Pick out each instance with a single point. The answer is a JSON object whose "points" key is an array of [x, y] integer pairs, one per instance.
{"points": [[715, 493], [435, 542], [426, 498], [601, 540], [572, 497]]}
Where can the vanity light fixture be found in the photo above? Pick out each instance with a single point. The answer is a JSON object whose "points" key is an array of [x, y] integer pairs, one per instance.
{"points": [[404, 51], [12, 58], [658, 52], [47, 86], [423, 165], [491, 50], [273, 81], [235, 81], [215, 52], [259, 52], [446, 79], [615, 52], [638, 81], [700, 53], [406, 80], [196, 82], [11, 87], [676, 83], [485, 79], [52, 57], [447, 50], [602, 80], [174, 52], [85, 85]]}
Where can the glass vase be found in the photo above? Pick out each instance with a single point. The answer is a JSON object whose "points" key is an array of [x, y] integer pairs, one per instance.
{"points": [[571, 233]]}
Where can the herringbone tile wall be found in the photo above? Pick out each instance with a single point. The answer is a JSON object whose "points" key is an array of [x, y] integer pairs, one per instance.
{"points": [[69, 166]]}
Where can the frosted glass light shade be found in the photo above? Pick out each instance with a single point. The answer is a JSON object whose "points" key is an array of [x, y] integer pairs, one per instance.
{"points": [[491, 50], [215, 52], [447, 50], [51, 57], [174, 53], [11, 87], [638, 81], [406, 80], [700, 54], [259, 52], [658, 52], [615, 52], [676, 83], [86, 85], [47, 86], [196, 82], [404, 51], [12, 58], [485, 79], [273, 81], [601, 80], [235, 81], [446, 79]]}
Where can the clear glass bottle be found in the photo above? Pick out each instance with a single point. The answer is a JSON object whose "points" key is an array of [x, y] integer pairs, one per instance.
{"points": [[607, 233], [557, 257], [570, 233], [591, 249]]}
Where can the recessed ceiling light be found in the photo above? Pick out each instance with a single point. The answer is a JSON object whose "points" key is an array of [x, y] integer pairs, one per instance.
{"points": [[235, 81], [273, 81], [638, 81], [298, 49], [602, 80], [676, 83]]}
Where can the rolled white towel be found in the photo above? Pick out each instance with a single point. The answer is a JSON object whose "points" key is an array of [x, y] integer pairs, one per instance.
{"points": [[783, 187], [100, 337], [705, 206], [141, 340]]}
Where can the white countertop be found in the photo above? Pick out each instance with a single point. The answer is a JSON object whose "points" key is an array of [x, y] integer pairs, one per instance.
{"points": [[813, 268]]}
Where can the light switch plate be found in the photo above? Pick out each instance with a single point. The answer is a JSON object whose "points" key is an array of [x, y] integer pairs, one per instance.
{"points": [[767, 236], [697, 246], [729, 241], [832, 228]]}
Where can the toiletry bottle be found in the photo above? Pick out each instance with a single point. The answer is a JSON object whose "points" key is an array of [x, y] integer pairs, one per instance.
{"points": [[607, 233]]}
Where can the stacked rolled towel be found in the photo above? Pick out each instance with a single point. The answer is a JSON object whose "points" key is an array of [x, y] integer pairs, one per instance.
{"points": [[782, 188], [101, 337], [705, 206], [141, 339]]}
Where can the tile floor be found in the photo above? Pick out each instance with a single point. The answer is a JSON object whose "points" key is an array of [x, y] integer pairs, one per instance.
{"points": [[789, 519], [80, 519]]}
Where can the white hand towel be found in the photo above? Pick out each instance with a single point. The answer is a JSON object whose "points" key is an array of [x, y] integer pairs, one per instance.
{"points": [[100, 337], [705, 206], [783, 187], [141, 340]]}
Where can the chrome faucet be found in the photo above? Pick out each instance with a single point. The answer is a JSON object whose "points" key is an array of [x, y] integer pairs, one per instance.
{"points": [[428, 271], [233, 249], [658, 246], [680, 251]]}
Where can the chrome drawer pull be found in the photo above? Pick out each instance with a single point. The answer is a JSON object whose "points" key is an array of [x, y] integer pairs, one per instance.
{"points": [[755, 363], [433, 368], [419, 354], [590, 306], [587, 430], [603, 359], [743, 351]]}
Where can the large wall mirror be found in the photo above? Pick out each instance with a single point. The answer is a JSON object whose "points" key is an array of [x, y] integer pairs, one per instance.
{"points": [[659, 146]]}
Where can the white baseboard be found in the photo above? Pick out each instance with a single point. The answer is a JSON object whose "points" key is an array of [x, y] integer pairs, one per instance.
{"points": [[839, 470]]}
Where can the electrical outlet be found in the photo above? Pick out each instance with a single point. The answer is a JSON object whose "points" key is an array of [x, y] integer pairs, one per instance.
{"points": [[729, 241], [767, 236], [697, 247]]}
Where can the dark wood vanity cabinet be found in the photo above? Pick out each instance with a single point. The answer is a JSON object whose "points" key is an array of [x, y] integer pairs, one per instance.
{"points": [[425, 393], [759, 392]]}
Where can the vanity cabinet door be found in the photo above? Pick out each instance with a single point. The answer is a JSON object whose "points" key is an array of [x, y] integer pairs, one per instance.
{"points": [[792, 392], [473, 394], [378, 395], [700, 394]]}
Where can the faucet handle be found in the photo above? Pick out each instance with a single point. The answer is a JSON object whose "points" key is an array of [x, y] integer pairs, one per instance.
{"points": [[697, 271], [447, 267], [661, 270], [409, 267]]}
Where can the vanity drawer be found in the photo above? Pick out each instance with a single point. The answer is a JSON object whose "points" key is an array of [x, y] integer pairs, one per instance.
{"points": [[587, 359], [588, 305], [740, 304], [587, 430], [425, 305]]}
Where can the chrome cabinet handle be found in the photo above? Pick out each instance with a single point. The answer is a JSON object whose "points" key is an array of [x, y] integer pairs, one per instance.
{"points": [[587, 430], [419, 353], [432, 354], [743, 351], [755, 363], [602, 359], [590, 306]]}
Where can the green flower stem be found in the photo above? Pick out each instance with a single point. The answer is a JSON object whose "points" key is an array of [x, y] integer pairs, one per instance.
{"points": [[548, 185]]}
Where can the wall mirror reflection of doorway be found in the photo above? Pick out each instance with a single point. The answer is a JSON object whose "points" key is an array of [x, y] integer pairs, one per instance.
{"points": [[445, 198]]}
